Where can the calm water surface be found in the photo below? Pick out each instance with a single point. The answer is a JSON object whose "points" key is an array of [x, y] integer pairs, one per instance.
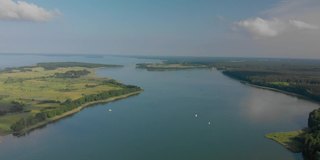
{"points": [[160, 123]]}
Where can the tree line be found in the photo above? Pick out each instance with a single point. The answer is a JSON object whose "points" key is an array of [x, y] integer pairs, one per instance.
{"points": [[305, 89], [72, 74], [69, 105]]}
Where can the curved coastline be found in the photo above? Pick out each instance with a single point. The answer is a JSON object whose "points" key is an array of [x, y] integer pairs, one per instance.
{"points": [[280, 91], [72, 112]]}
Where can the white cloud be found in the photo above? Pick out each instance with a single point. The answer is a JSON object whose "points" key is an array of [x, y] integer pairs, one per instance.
{"points": [[21, 10], [262, 27], [288, 16], [303, 25], [273, 27]]}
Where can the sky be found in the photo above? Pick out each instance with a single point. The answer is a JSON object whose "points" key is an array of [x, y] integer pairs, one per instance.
{"points": [[223, 28]]}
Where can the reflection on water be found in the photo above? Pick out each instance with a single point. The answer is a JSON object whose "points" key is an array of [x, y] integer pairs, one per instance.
{"points": [[160, 123], [263, 106]]}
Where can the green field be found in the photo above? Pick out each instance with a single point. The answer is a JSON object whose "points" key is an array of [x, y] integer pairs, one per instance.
{"points": [[34, 94]]}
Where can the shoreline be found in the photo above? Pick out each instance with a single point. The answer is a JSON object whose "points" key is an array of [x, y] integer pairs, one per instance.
{"points": [[277, 90], [280, 91], [70, 113], [291, 140]]}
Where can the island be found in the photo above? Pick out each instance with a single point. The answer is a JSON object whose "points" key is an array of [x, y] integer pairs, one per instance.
{"points": [[33, 96], [170, 66]]}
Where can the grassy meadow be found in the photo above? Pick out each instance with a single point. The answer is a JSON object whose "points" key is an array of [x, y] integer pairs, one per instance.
{"points": [[27, 91]]}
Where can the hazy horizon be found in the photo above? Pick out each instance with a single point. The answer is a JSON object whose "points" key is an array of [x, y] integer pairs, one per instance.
{"points": [[206, 28], [159, 56]]}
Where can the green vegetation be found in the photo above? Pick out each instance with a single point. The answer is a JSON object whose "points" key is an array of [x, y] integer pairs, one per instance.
{"points": [[293, 140], [72, 74], [55, 65], [280, 83], [36, 95], [301, 78], [170, 66], [311, 147]]}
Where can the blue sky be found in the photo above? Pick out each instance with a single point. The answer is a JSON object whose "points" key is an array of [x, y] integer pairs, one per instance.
{"points": [[161, 27]]}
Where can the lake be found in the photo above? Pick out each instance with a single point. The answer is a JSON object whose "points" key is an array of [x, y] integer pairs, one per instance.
{"points": [[160, 123]]}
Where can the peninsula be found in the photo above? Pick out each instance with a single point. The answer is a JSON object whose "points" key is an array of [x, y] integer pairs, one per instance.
{"points": [[33, 96], [170, 66]]}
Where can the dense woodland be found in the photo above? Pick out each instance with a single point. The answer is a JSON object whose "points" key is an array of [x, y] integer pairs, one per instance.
{"points": [[312, 138], [72, 74]]}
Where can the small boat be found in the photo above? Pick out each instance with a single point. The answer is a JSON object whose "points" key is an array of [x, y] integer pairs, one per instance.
{"points": [[196, 115], [110, 110], [209, 123]]}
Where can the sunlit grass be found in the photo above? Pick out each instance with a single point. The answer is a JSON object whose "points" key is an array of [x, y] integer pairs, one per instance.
{"points": [[291, 140], [37, 85]]}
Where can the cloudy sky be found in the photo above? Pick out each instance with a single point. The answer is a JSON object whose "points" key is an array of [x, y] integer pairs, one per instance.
{"points": [[269, 28]]}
